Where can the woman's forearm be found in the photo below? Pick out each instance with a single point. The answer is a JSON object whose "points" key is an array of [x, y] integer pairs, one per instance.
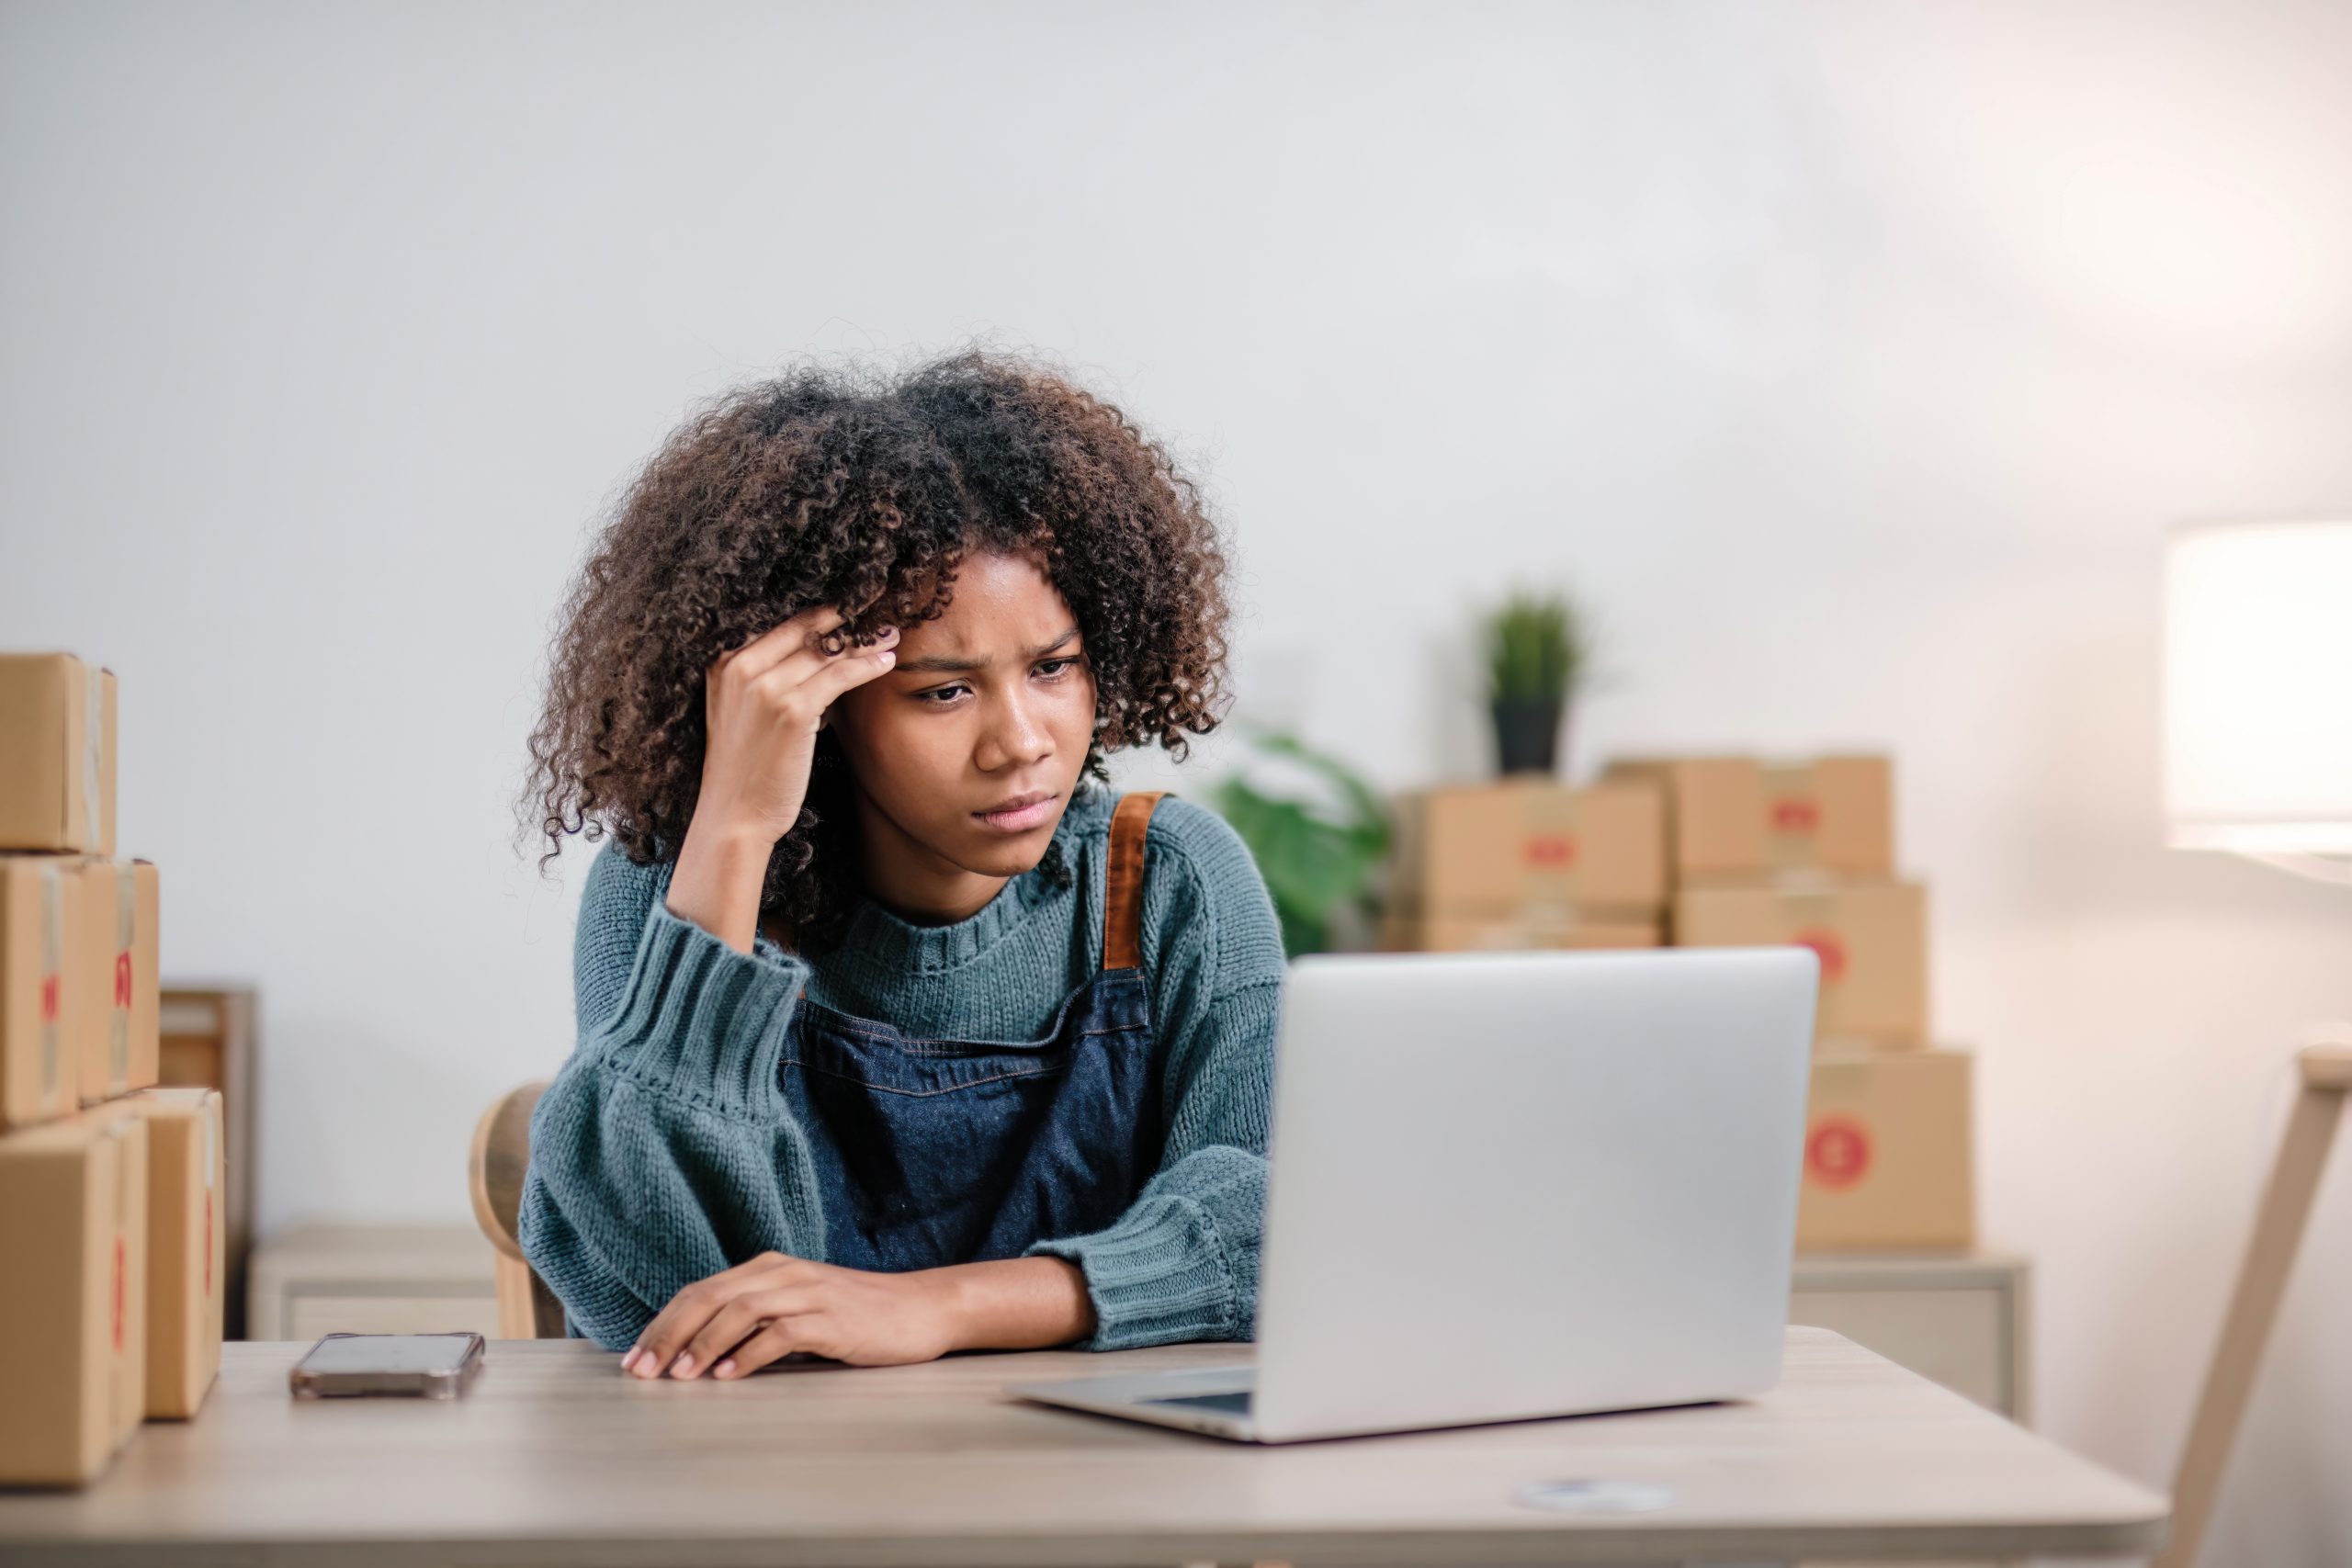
{"points": [[1016, 1303], [718, 880]]}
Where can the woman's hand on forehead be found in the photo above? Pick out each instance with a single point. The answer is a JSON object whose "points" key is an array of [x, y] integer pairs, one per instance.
{"points": [[762, 705]]}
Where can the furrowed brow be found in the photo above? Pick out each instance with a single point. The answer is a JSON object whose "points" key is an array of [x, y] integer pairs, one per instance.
{"points": [[942, 663]]}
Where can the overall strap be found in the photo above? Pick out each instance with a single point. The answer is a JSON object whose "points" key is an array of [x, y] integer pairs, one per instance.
{"points": [[1123, 905]]}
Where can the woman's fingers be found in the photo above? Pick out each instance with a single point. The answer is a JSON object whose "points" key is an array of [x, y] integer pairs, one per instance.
{"points": [[805, 697], [779, 1338], [805, 663], [736, 1322], [676, 1324], [763, 652], [671, 1328]]}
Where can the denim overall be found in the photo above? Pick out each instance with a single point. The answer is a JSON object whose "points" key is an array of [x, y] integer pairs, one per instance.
{"points": [[931, 1152]]}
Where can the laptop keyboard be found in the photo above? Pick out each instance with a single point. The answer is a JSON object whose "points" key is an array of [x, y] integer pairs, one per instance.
{"points": [[1225, 1404]]}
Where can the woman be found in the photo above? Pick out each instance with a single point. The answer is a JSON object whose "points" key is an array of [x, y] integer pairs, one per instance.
{"points": [[899, 1034]]}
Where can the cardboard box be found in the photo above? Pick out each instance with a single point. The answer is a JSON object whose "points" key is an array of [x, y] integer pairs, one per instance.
{"points": [[1528, 848], [125, 1313], [56, 754], [1441, 934], [73, 1335], [1741, 819], [41, 993], [1888, 1153], [120, 1014], [209, 1041], [1871, 940], [186, 1246]]}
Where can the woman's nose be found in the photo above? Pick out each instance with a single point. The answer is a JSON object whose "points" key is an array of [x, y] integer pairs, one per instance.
{"points": [[1014, 738]]}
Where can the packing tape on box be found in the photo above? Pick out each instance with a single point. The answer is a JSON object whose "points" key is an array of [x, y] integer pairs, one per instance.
{"points": [[120, 1131], [94, 739], [1808, 903], [1812, 914], [52, 979], [126, 943], [1792, 817]]}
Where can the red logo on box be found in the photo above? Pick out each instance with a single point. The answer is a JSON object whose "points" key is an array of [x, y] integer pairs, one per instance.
{"points": [[1831, 950], [1795, 815], [1554, 852], [1837, 1151], [122, 979], [49, 998]]}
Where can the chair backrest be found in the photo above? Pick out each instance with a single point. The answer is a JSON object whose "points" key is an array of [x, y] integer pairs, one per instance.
{"points": [[502, 1152]]}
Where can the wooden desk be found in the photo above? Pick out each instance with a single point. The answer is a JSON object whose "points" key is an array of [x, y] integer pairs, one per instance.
{"points": [[557, 1457]]}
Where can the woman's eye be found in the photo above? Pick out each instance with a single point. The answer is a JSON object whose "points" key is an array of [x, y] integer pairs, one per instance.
{"points": [[1046, 669]]}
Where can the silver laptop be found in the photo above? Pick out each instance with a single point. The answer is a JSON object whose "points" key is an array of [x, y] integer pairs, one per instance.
{"points": [[1513, 1185]]}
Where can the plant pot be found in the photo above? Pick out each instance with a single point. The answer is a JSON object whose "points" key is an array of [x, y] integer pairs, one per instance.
{"points": [[1527, 734]]}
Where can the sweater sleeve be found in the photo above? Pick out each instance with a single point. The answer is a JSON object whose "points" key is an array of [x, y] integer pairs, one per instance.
{"points": [[662, 1153], [1182, 1263]]}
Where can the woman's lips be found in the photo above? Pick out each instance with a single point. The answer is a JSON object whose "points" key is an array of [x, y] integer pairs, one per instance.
{"points": [[1020, 819]]}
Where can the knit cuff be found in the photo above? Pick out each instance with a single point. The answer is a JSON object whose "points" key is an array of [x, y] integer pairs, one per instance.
{"points": [[701, 1022], [1158, 1276]]}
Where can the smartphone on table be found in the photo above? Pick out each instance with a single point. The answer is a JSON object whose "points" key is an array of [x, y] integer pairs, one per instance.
{"points": [[432, 1366]]}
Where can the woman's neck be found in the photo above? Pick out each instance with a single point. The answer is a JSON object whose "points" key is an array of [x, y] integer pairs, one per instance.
{"points": [[911, 880]]}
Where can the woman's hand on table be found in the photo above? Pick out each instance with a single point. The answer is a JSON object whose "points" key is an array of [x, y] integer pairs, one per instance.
{"points": [[736, 1322]]}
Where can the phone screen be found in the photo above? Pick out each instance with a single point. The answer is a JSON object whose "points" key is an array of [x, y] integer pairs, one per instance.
{"points": [[387, 1353]]}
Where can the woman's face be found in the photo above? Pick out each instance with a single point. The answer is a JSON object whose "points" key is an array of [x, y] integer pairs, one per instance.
{"points": [[969, 746]]}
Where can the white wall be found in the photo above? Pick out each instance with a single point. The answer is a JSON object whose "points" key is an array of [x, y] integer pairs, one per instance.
{"points": [[1853, 357]]}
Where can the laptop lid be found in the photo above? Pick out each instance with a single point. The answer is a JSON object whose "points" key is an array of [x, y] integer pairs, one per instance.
{"points": [[1521, 1184]]}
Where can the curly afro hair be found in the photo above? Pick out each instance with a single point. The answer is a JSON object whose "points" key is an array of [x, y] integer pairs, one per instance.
{"points": [[864, 491]]}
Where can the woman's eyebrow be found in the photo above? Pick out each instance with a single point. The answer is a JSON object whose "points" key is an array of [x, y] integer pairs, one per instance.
{"points": [[947, 663]]}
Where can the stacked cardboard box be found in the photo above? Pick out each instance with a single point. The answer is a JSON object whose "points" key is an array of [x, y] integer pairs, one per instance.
{"points": [[1525, 863], [188, 1174], [110, 1259], [1768, 852], [72, 1221]]}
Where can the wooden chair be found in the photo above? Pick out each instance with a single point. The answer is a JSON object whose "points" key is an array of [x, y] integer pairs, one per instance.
{"points": [[501, 1151]]}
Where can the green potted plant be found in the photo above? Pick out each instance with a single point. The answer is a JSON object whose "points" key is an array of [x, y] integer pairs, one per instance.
{"points": [[1539, 653], [1319, 832]]}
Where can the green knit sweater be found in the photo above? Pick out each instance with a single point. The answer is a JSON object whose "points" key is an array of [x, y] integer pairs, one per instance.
{"points": [[658, 1158]]}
